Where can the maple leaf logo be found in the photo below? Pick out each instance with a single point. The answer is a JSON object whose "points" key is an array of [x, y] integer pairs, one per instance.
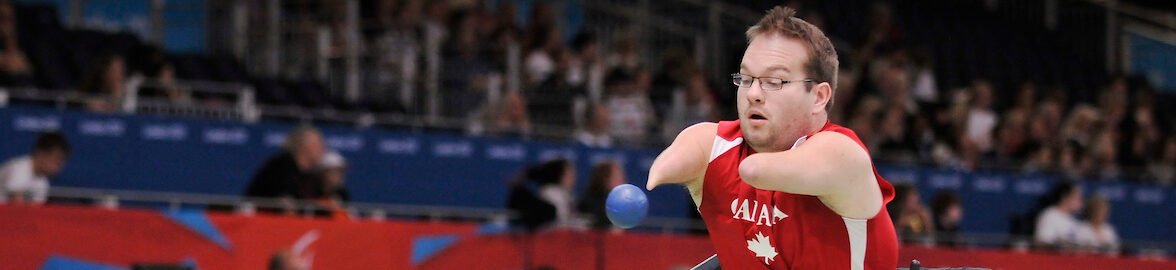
{"points": [[762, 248]]}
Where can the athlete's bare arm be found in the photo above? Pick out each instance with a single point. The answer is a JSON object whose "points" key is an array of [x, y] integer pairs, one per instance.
{"points": [[685, 160], [828, 165]]}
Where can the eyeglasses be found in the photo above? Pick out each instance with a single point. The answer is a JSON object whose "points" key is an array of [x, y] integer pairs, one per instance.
{"points": [[767, 83]]}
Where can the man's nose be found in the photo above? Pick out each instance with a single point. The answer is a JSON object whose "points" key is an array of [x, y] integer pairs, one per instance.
{"points": [[755, 93]]}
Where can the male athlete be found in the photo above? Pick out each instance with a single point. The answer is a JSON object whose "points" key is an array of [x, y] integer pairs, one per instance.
{"points": [[782, 187]]}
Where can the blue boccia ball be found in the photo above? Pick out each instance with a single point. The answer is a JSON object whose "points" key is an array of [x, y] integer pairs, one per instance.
{"points": [[626, 206]]}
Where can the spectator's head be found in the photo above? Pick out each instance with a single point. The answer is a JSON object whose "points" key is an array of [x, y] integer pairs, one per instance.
{"points": [[1097, 210], [598, 119], [49, 153], [780, 46], [1169, 152], [106, 76], [584, 44], [1065, 196], [643, 80], [406, 13], [286, 259], [1103, 149], [7, 22], [1040, 156], [1080, 123], [1068, 154], [619, 82], [947, 210], [893, 124], [555, 172], [697, 90], [515, 107], [463, 30], [436, 10], [906, 197], [605, 176], [333, 169], [507, 14], [306, 144], [1027, 96], [881, 16], [981, 94]]}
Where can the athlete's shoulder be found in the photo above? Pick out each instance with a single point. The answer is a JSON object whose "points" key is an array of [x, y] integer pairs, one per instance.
{"points": [[702, 132], [831, 127], [728, 130]]}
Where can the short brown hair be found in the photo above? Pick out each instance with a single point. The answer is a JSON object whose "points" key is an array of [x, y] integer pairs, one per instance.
{"points": [[822, 57]]}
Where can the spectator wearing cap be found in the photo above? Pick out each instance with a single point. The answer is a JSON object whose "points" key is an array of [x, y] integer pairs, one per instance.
{"points": [[333, 171]]}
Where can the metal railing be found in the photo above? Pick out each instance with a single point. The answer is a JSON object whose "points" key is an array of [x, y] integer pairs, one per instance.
{"points": [[243, 106]]}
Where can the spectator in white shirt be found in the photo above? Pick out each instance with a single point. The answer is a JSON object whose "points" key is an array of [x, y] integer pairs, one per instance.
{"points": [[631, 112], [25, 179], [1096, 232], [981, 118], [1056, 225], [595, 132]]}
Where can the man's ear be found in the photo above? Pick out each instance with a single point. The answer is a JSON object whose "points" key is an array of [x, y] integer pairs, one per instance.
{"points": [[824, 93]]}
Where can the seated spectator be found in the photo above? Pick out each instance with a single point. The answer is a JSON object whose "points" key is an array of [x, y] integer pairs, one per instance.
{"points": [[105, 84], [15, 69], [631, 111], [288, 174], [948, 216], [1056, 225], [25, 179], [691, 104], [542, 46], [557, 178], [1039, 158], [1101, 162], [981, 118], [162, 84], [911, 219], [605, 176], [463, 85], [332, 171], [543, 195], [595, 133], [508, 117], [586, 69], [1163, 169], [1095, 232]]}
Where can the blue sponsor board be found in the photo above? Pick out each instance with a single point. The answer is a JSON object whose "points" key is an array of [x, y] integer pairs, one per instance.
{"points": [[219, 157]]}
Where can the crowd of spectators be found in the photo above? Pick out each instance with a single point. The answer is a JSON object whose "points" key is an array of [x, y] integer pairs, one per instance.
{"points": [[1062, 220], [603, 94], [598, 91]]}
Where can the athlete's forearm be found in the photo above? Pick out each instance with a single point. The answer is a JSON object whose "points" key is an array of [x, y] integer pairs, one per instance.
{"points": [[780, 171], [670, 168], [825, 164]]}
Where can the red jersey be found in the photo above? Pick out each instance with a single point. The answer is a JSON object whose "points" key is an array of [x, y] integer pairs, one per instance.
{"points": [[764, 229]]}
